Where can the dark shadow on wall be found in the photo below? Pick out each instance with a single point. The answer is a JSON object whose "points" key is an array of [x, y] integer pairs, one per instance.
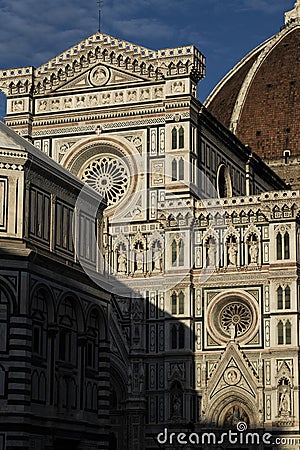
{"points": [[151, 368]]}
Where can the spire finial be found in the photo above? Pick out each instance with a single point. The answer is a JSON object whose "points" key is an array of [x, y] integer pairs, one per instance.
{"points": [[99, 15], [293, 15]]}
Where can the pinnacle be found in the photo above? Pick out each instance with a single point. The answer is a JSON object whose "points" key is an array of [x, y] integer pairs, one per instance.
{"points": [[293, 15]]}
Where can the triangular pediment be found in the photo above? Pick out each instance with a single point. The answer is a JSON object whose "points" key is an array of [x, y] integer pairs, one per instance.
{"points": [[125, 59], [100, 75], [233, 372]]}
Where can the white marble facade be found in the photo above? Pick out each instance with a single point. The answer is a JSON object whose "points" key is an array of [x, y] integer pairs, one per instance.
{"points": [[200, 235]]}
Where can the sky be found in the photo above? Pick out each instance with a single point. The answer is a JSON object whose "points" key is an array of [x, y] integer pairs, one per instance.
{"points": [[34, 31]]}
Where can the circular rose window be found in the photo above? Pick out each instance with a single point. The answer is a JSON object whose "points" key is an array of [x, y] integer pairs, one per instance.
{"points": [[109, 176], [226, 312], [237, 314]]}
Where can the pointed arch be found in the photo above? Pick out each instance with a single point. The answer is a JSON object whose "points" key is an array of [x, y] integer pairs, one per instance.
{"points": [[181, 137], [279, 298], [181, 303], [278, 246], [280, 338], [286, 245], [181, 169], [288, 332], [174, 138], [174, 170], [287, 297]]}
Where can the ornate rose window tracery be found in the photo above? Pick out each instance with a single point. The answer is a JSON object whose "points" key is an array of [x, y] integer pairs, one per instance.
{"points": [[237, 314], [108, 175], [233, 314]]}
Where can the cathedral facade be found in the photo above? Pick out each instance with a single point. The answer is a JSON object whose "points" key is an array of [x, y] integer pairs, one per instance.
{"points": [[178, 308]]}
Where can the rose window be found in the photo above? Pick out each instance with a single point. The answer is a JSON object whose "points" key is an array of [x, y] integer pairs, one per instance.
{"points": [[109, 176], [237, 314]]}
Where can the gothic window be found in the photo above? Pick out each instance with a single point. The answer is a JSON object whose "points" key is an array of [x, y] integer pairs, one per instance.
{"points": [[279, 246], [38, 387], [280, 298], [177, 138], [288, 332], [283, 246], [181, 303], [181, 137], [181, 252], [181, 169], [177, 301], [174, 138], [92, 348], [177, 336], [286, 245], [181, 336], [174, 252], [64, 224], [173, 337], [174, 303], [284, 333], [280, 332], [39, 312], [39, 214], [174, 170], [68, 327], [287, 297]]}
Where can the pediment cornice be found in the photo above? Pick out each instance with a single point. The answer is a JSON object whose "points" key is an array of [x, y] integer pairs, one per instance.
{"points": [[137, 61]]}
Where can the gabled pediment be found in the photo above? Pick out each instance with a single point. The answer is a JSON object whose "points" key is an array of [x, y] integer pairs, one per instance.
{"points": [[233, 372], [100, 75], [121, 56]]}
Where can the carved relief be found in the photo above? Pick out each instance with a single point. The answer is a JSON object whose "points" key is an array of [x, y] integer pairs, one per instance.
{"points": [[157, 173], [18, 105], [99, 76]]}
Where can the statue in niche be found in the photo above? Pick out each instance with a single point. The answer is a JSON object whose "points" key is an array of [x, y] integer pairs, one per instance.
{"points": [[211, 252], [122, 262], [157, 257], [129, 383], [232, 252], [139, 258], [284, 406], [141, 378], [253, 251], [176, 401]]}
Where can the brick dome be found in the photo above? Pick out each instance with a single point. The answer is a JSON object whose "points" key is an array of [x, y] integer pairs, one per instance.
{"points": [[259, 99]]}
